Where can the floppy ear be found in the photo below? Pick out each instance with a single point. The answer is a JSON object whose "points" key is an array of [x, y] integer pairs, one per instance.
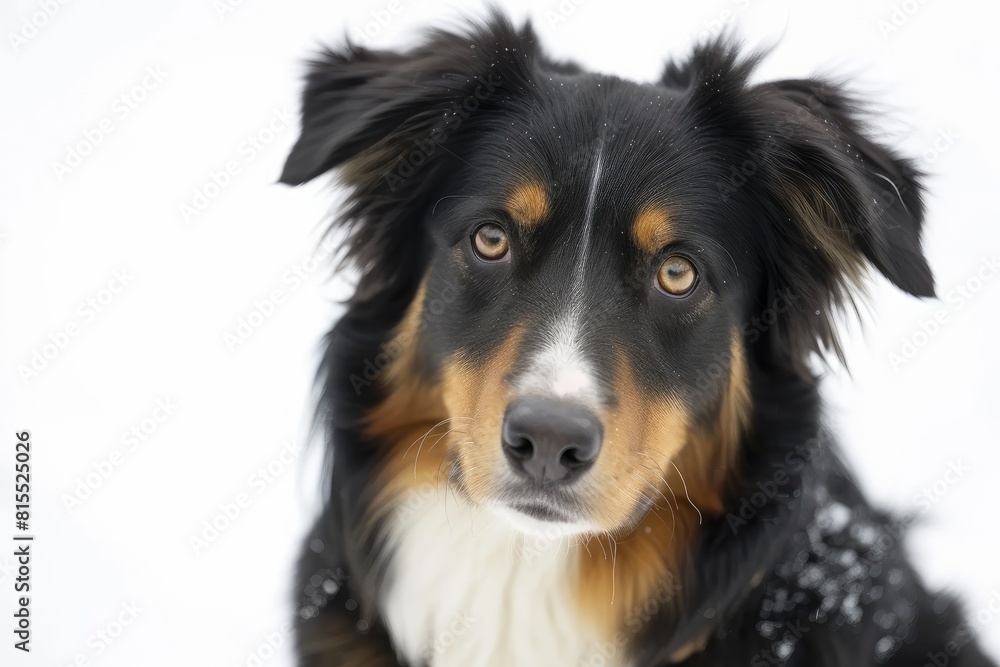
{"points": [[828, 198], [844, 187], [395, 122], [844, 201]]}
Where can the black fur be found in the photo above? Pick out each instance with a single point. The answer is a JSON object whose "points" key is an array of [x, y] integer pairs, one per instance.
{"points": [[427, 139]]}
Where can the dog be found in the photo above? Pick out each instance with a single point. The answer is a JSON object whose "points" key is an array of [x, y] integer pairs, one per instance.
{"points": [[571, 412]]}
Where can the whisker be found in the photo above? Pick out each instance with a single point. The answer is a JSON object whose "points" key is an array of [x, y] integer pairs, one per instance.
{"points": [[443, 421], [601, 544], [446, 487], [614, 563], [673, 515], [451, 430], [700, 519], [736, 268], [586, 546], [653, 486], [424, 439], [635, 494], [899, 196], [664, 479], [434, 208]]}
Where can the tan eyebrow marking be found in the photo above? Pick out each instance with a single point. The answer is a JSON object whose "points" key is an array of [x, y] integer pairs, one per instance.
{"points": [[652, 228], [528, 203]]}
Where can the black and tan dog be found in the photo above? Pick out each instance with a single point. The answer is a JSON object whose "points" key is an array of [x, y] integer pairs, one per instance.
{"points": [[570, 415]]}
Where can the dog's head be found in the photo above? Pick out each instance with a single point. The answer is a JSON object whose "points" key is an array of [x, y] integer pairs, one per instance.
{"points": [[592, 269]]}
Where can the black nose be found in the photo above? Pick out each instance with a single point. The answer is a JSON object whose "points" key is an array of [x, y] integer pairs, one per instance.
{"points": [[549, 439]]}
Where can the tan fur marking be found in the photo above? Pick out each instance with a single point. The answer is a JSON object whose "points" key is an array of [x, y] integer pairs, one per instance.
{"points": [[652, 229], [688, 468], [528, 204], [408, 402], [365, 168], [713, 451], [426, 427], [413, 408], [481, 394], [619, 575], [823, 225]]}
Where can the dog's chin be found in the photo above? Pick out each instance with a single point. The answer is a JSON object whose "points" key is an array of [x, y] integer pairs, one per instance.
{"points": [[540, 520]]}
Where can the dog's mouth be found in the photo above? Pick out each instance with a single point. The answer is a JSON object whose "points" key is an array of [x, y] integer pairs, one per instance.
{"points": [[559, 511], [558, 504], [543, 515], [542, 511], [570, 463], [542, 475], [549, 510], [548, 447]]}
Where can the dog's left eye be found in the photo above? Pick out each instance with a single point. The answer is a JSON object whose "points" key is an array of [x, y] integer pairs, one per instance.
{"points": [[490, 242], [677, 276]]}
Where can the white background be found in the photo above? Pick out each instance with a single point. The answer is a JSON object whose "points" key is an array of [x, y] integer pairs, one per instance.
{"points": [[229, 73]]}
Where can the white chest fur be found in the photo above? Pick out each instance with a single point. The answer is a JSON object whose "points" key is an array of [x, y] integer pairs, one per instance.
{"points": [[466, 590]]}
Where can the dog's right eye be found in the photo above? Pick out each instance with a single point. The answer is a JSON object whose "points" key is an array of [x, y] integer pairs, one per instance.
{"points": [[677, 276], [490, 242]]}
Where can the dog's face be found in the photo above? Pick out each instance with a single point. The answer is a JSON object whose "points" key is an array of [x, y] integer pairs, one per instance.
{"points": [[600, 262], [595, 309]]}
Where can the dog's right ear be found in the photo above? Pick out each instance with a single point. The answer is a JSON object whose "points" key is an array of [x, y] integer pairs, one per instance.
{"points": [[348, 105], [397, 122], [356, 98]]}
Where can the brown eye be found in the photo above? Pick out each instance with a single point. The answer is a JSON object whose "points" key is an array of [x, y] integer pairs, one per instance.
{"points": [[490, 242], [676, 276]]}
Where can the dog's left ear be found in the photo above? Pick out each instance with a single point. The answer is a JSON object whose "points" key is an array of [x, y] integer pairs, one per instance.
{"points": [[853, 198]]}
